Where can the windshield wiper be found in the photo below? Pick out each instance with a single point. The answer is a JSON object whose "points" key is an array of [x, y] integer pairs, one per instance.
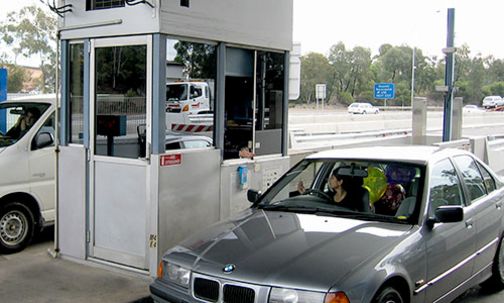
{"points": [[301, 209]]}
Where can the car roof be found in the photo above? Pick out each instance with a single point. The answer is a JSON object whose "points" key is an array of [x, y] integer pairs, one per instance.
{"points": [[44, 98], [410, 153], [170, 138]]}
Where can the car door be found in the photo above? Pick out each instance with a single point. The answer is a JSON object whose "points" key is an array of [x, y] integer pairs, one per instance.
{"points": [[486, 206], [42, 170], [450, 246]]}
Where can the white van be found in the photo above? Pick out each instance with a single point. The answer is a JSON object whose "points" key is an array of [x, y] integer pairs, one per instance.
{"points": [[187, 97], [27, 171], [492, 101]]}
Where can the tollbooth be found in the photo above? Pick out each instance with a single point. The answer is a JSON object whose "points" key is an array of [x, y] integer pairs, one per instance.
{"points": [[170, 110]]}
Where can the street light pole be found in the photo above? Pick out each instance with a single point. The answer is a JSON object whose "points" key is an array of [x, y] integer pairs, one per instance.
{"points": [[413, 75], [449, 71]]}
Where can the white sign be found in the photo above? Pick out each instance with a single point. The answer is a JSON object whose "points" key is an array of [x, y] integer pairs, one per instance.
{"points": [[320, 91]]}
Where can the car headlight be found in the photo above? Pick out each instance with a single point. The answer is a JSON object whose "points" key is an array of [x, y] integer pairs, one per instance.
{"points": [[286, 295], [176, 274]]}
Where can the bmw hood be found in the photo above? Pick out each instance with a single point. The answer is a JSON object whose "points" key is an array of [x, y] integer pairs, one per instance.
{"points": [[282, 248]]}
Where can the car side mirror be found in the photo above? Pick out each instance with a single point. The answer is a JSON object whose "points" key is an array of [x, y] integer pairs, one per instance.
{"points": [[253, 195], [448, 214], [42, 140]]}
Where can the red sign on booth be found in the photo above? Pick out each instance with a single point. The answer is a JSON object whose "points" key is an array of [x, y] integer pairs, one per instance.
{"points": [[170, 160]]}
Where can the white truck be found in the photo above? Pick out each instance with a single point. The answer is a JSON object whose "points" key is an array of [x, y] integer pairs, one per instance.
{"points": [[187, 97], [27, 171]]}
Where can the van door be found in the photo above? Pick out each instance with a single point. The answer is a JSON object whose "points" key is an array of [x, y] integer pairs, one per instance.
{"points": [[42, 160]]}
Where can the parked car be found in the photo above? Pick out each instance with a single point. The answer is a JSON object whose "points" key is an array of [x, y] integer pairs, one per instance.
{"points": [[176, 141], [362, 108], [427, 224], [492, 101], [470, 108], [27, 165]]}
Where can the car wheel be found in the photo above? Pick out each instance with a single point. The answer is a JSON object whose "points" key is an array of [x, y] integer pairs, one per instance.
{"points": [[16, 227], [388, 295], [496, 281]]}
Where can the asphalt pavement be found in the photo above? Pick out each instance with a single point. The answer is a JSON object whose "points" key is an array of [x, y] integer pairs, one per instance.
{"points": [[34, 276]]}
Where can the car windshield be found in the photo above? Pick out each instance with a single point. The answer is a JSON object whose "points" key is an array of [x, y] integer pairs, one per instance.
{"points": [[368, 190], [176, 92], [20, 117]]}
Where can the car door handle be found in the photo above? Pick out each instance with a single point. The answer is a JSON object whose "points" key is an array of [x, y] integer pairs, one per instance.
{"points": [[469, 224], [498, 205]]}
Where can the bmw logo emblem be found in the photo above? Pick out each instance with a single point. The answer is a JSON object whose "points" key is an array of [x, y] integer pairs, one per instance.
{"points": [[229, 268]]}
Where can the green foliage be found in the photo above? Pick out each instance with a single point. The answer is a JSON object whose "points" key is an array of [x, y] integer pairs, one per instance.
{"points": [[315, 69], [351, 73], [16, 77], [30, 31], [494, 89], [199, 60], [345, 98]]}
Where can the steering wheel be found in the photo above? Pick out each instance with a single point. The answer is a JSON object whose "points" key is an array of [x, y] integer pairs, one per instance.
{"points": [[318, 193]]}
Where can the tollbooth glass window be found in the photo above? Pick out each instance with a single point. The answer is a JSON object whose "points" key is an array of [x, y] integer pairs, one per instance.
{"points": [[253, 103], [191, 70], [269, 103], [76, 122], [120, 101]]}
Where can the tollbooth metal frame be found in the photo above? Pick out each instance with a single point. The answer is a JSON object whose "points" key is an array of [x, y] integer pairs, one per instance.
{"points": [[124, 198]]}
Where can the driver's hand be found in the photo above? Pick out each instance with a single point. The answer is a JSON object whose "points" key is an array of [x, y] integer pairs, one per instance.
{"points": [[300, 187]]}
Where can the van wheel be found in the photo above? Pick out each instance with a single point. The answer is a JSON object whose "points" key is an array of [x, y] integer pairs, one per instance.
{"points": [[16, 227], [496, 281], [388, 295]]}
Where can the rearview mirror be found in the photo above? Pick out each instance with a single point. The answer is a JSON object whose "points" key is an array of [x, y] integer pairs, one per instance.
{"points": [[352, 171], [448, 214], [42, 140], [253, 195]]}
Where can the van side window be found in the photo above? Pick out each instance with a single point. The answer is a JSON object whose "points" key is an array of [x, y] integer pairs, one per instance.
{"points": [[46, 130]]}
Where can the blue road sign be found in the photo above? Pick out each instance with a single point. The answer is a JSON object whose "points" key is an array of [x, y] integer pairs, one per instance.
{"points": [[3, 97], [3, 84], [384, 91]]}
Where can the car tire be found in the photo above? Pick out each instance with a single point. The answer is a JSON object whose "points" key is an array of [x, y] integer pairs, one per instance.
{"points": [[496, 281], [17, 227], [388, 295]]}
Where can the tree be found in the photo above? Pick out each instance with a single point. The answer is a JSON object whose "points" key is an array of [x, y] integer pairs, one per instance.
{"points": [[16, 77], [31, 31], [199, 60], [315, 69], [351, 74]]}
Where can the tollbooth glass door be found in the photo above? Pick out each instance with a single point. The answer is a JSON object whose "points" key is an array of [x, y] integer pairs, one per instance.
{"points": [[120, 128]]}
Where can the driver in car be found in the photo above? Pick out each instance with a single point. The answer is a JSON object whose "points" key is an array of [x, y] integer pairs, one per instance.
{"points": [[24, 123], [340, 190]]}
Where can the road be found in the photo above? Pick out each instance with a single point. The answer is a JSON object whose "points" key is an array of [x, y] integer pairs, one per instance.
{"points": [[45, 241], [338, 121]]}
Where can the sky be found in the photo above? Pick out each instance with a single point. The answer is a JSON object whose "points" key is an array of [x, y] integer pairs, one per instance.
{"points": [[319, 24]]}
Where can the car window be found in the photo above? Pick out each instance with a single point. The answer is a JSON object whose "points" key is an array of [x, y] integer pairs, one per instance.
{"points": [[487, 179], [174, 145], [196, 144], [472, 177], [445, 188], [47, 127], [381, 190]]}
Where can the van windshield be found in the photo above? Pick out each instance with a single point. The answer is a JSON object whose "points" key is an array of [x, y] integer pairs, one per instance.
{"points": [[20, 117]]}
